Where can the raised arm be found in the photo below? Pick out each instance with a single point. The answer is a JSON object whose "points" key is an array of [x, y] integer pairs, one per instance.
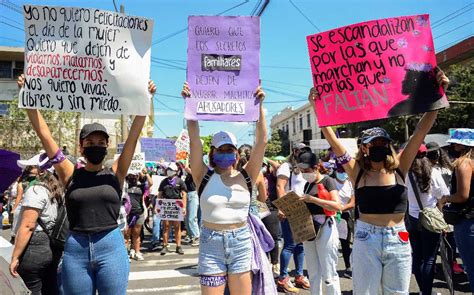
{"points": [[350, 167], [254, 166], [65, 168], [120, 167], [198, 167]]}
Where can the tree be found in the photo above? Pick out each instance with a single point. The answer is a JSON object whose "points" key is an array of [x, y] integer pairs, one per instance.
{"points": [[278, 145], [17, 135], [274, 144]]}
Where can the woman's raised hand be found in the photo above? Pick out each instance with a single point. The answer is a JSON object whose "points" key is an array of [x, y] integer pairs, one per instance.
{"points": [[441, 78], [21, 81], [151, 87], [186, 92], [260, 94], [313, 95]]}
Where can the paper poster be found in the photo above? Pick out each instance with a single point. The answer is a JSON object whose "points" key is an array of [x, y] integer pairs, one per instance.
{"points": [[350, 144], [182, 142], [158, 149], [157, 179], [86, 60], [298, 216], [374, 70], [223, 68], [137, 164], [169, 209]]}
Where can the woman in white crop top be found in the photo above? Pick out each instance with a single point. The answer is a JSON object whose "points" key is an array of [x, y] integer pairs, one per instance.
{"points": [[225, 250]]}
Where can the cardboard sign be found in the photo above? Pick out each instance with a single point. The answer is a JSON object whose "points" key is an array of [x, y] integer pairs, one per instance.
{"points": [[158, 149], [86, 60], [169, 209], [182, 143], [374, 70], [298, 216], [223, 68], [137, 164]]}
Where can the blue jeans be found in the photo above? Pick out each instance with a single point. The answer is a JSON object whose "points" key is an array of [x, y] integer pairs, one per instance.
{"points": [[191, 219], [290, 248], [155, 238], [425, 246], [381, 257], [95, 262], [464, 236], [222, 252]]}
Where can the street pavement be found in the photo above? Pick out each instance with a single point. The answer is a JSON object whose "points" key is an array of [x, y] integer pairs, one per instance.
{"points": [[175, 274]]}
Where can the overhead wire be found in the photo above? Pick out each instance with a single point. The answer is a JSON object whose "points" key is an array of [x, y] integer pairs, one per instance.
{"points": [[13, 26], [450, 31], [304, 15], [441, 19], [439, 24]]}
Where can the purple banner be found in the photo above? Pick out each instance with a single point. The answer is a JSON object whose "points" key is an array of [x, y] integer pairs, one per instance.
{"points": [[223, 68]]}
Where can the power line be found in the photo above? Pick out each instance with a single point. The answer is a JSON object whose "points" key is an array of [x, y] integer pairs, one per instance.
{"points": [[13, 26], [169, 65], [255, 7], [439, 24], [14, 40], [285, 67], [445, 46], [12, 20], [441, 19], [11, 6], [468, 23], [185, 29], [301, 12], [115, 6]]}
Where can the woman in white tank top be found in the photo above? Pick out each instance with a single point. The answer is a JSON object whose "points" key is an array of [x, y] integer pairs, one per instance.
{"points": [[225, 251]]}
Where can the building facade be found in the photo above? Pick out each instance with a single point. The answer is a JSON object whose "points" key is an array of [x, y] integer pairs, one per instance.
{"points": [[299, 124]]}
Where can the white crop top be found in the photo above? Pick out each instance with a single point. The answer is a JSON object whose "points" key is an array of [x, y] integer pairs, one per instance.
{"points": [[221, 204]]}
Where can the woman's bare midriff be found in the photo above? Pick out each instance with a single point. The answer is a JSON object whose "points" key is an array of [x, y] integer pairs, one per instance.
{"points": [[382, 219], [223, 227]]}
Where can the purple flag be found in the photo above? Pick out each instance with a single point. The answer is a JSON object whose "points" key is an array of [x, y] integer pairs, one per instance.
{"points": [[223, 68]]}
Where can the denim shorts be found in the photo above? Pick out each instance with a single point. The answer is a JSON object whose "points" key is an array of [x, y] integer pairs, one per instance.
{"points": [[222, 252]]}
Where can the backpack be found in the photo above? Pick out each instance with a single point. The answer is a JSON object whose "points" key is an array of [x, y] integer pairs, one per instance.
{"points": [[58, 234]]}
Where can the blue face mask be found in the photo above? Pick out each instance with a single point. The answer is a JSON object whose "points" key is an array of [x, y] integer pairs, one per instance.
{"points": [[224, 160], [342, 176]]}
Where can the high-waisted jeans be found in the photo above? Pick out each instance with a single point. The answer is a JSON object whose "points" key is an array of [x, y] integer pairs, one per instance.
{"points": [[95, 262], [381, 258]]}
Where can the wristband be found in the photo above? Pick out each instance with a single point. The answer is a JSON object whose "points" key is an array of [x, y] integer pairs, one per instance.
{"points": [[58, 158], [344, 159]]}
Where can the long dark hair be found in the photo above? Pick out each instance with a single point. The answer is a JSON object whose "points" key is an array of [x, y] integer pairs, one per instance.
{"points": [[421, 168], [51, 183], [244, 152], [444, 161]]}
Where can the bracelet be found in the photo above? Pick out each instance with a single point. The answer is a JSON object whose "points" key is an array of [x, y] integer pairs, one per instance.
{"points": [[58, 158], [344, 159]]}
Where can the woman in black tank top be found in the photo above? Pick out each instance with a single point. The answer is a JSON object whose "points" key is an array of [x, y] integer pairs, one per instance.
{"points": [[381, 251], [95, 258]]}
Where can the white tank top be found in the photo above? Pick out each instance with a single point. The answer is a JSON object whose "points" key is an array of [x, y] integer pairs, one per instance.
{"points": [[221, 204]]}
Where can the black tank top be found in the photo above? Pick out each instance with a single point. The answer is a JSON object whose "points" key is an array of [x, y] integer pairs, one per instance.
{"points": [[93, 201], [470, 201], [386, 199]]}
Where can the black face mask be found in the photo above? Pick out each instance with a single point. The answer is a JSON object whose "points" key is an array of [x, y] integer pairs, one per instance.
{"points": [[378, 153], [95, 154], [30, 178], [453, 153], [132, 182]]}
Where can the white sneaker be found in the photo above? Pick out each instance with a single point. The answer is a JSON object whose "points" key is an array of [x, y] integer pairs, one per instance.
{"points": [[139, 256], [132, 254]]}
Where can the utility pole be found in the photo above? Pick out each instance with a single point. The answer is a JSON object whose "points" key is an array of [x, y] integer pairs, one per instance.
{"points": [[123, 118]]}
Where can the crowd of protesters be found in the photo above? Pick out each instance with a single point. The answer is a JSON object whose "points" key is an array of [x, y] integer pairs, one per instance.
{"points": [[368, 205]]}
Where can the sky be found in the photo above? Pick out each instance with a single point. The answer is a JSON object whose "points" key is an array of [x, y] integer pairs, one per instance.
{"points": [[284, 63]]}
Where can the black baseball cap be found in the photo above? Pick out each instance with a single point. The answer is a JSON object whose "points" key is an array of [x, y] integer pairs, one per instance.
{"points": [[432, 146], [88, 129], [307, 160]]}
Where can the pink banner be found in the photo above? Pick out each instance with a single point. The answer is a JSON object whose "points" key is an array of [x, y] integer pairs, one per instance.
{"points": [[375, 70]]}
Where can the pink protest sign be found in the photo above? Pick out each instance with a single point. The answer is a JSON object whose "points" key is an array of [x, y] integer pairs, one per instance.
{"points": [[223, 68], [374, 70]]}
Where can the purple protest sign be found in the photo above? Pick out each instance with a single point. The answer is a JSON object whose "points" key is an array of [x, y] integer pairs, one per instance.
{"points": [[223, 68]]}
